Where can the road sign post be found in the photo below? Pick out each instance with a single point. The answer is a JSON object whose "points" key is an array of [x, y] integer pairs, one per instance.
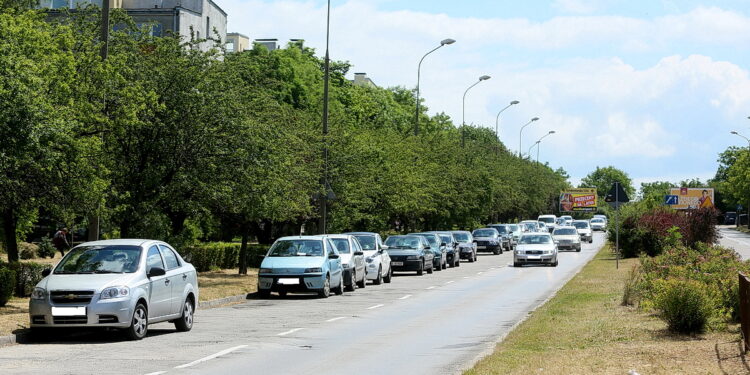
{"points": [[615, 197]]}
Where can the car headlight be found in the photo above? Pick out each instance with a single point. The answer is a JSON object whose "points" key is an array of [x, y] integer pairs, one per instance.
{"points": [[412, 257], [519, 252], [115, 292], [313, 270], [265, 270], [39, 293]]}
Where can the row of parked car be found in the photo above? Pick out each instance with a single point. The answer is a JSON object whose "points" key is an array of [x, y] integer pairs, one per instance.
{"points": [[129, 284]]}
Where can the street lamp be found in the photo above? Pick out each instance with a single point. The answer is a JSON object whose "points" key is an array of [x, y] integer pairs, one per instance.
{"points": [[463, 109], [324, 178], [497, 118], [444, 42], [521, 132], [539, 144]]}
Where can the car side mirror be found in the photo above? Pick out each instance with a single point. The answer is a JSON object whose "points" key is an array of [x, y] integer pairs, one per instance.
{"points": [[46, 272], [381, 251], [333, 256], [156, 271], [358, 253], [384, 247]]}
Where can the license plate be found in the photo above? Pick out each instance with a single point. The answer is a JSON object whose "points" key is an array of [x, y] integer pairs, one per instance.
{"points": [[481, 247], [69, 311], [397, 263], [534, 257], [288, 281]]}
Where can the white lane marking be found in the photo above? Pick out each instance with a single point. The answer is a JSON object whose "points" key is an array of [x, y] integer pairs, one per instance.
{"points": [[157, 373], [449, 282], [406, 296], [479, 273], [289, 331], [466, 277], [335, 319], [430, 287], [376, 306], [212, 356]]}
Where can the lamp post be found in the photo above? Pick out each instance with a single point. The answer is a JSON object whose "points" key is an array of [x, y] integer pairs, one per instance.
{"points": [[463, 109], [324, 178], [539, 144], [521, 132], [532, 146], [748, 206], [444, 42], [497, 118]]}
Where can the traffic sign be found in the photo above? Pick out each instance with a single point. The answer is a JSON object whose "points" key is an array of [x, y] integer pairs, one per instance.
{"points": [[739, 207], [617, 194], [671, 199]]}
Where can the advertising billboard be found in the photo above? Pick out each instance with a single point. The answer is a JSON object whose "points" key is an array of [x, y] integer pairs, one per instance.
{"points": [[578, 200], [691, 198]]}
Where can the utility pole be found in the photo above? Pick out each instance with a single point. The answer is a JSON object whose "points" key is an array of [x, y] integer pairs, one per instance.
{"points": [[324, 179], [94, 220]]}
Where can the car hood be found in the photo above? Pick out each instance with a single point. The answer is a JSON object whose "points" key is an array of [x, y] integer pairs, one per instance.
{"points": [[544, 246], [292, 262], [465, 244], [486, 239], [95, 282], [571, 237], [403, 252], [584, 230]]}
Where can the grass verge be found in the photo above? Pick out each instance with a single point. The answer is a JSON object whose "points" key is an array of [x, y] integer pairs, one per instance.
{"points": [[585, 330], [14, 316]]}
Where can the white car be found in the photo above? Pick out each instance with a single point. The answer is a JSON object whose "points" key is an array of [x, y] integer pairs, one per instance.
{"points": [[598, 224], [603, 217], [532, 226], [566, 220], [378, 262], [535, 248], [584, 230], [352, 260], [567, 238], [549, 221]]}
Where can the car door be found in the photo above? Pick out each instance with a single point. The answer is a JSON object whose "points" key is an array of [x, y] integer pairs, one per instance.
{"points": [[160, 297], [177, 276], [357, 260], [385, 258], [334, 265]]}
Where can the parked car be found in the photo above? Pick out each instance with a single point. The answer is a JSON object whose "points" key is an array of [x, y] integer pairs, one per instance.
{"points": [[467, 248], [506, 234], [126, 284], [352, 260], [451, 246], [410, 253], [377, 259], [567, 238], [535, 248], [598, 224], [488, 239], [584, 230], [436, 245], [549, 221], [516, 230], [301, 264]]}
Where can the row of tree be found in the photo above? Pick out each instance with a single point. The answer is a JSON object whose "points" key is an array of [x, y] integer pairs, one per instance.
{"points": [[164, 140]]}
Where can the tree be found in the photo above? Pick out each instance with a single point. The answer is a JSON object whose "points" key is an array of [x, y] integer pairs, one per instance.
{"points": [[603, 178]]}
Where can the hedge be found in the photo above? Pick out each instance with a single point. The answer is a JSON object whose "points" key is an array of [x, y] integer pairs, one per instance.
{"points": [[221, 255], [28, 274], [7, 283]]}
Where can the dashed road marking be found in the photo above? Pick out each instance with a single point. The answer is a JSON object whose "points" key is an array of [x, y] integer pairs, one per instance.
{"points": [[376, 306], [335, 319], [449, 282], [480, 272], [212, 356], [290, 331], [157, 373], [430, 287], [406, 296], [466, 277]]}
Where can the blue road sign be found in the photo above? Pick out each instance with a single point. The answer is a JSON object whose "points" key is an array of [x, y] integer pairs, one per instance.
{"points": [[739, 207], [671, 200]]}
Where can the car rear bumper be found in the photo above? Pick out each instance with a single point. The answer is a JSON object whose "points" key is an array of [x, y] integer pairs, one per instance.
{"points": [[570, 246]]}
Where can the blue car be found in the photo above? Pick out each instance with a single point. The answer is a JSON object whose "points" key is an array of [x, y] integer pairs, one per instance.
{"points": [[301, 264]]}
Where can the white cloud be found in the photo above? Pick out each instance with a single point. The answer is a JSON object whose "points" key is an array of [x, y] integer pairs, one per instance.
{"points": [[624, 137]]}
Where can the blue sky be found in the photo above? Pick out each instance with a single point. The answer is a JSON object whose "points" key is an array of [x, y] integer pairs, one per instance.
{"points": [[651, 87]]}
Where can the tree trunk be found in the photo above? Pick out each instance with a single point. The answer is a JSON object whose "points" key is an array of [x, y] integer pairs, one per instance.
{"points": [[9, 228], [125, 225], [243, 249], [177, 221]]}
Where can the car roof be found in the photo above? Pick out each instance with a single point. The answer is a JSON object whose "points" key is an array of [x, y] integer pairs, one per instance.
{"points": [[122, 242], [548, 215], [537, 234], [565, 227], [337, 236], [313, 237], [361, 233], [460, 231]]}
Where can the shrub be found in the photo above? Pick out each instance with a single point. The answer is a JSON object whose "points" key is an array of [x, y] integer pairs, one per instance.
{"points": [[46, 249], [28, 274], [7, 282], [631, 293], [684, 305], [27, 250]]}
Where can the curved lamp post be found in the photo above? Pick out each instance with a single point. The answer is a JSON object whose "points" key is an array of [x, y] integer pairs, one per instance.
{"points": [[463, 109], [521, 132], [539, 144], [444, 42], [497, 118]]}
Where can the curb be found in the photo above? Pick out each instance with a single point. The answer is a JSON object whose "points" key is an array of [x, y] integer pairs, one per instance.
{"points": [[13, 339]]}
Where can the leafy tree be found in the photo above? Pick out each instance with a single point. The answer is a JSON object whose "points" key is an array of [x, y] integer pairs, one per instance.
{"points": [[603, 178]]}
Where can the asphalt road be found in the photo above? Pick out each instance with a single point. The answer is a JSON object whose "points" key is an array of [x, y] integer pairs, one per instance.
{"points": [[736, 240], [433, 324]]}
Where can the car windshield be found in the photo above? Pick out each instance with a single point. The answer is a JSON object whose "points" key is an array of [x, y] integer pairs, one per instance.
{"points": [[530, 226], [597, 220], [548, 220], [446, 238], [366, 241], [430, 238], [100, 259], [296, 248], [484, 233], [342, 245], [533, 240], [580, 224], [461, 237], [565, 232], [501, 229], [513, 227], [402, 242]]}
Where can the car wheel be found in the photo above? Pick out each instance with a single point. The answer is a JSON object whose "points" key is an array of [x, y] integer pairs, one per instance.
{"points": [[439, 266], [554, 264], [388, 277], [326, 288], [340, 289], [420, 271], [282, 293], [578, 250], [379, 279], [264, 293], [497, 251], [471, 258], [185, 323], [139, 324], [458, 261], [445, 264], [432, 268], [516, 264], [362, 283], [352, 282]]}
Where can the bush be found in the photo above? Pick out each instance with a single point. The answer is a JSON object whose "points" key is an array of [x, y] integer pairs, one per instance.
{"points": [[46, 249], [27, 250], [684, 305], [28, 274], [7, 282], [221, 255]]}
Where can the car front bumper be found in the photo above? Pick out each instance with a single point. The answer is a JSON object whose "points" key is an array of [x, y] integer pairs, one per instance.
{"points": [[407, 265], [490, 248], [292, 283], [116, 312], [535, 259]]}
